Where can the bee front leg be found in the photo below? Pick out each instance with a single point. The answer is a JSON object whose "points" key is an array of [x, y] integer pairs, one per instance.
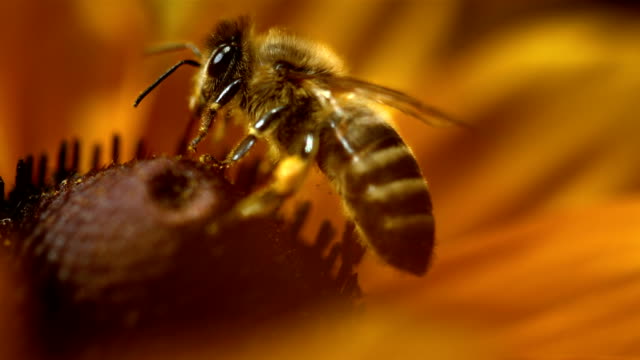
{"points": [[210, 112], [183, 145], [288, 175]]}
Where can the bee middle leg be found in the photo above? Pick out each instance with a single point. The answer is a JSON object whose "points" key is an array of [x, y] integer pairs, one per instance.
{"points": [[287, 178], [266, 122]]}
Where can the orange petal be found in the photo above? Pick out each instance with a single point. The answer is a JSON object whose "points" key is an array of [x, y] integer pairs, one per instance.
{"points": [[559, 284]]}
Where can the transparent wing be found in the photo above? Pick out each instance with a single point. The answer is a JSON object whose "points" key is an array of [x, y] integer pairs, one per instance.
{"points": [[396, 99]]}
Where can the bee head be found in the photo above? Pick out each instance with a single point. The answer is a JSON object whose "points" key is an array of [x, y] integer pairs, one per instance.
{"points": [[228, 58], [225, 70]]}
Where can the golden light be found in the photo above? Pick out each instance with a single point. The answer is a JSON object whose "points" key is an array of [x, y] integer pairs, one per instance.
{"points": [[536, 203]]}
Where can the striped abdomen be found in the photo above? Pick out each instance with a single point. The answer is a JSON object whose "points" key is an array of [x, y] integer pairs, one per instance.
{"points": [[381, 184]]}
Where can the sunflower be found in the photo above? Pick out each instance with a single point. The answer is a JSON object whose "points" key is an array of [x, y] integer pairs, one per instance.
{"points": [[536, 203]]}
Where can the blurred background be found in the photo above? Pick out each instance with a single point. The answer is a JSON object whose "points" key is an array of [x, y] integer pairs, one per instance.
{"points": [[549, 87]]}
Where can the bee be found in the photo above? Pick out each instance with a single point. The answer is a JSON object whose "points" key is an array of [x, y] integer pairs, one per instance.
{"points": [[296, 95]]}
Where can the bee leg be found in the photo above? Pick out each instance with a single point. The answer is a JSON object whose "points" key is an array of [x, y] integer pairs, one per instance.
{"points": [[266, 122], [184, 140], [210, 112], [288, 175], [240, 150]]}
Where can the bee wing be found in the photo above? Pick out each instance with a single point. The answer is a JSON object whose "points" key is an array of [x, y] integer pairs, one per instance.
{"points": [[396, 99]]}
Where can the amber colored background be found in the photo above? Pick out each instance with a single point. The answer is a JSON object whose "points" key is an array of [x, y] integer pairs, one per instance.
{"points": [[538, 206]]}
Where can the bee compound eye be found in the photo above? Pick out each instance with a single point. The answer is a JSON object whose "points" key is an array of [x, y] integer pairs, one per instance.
{"points": [[221, 59]]}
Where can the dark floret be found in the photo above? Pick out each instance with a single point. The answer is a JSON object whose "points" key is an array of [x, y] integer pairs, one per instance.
{"points": [[126, 253]]}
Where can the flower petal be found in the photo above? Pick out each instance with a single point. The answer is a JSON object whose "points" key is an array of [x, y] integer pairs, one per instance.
{"points": [[561, 284]]}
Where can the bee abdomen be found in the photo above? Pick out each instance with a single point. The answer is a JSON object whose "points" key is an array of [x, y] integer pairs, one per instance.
{"points": [[393, 213], [383, 187]]}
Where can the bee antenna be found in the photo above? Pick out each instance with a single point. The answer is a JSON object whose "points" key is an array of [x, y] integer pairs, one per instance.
{"points": [[170, 47], [162, 77]]}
